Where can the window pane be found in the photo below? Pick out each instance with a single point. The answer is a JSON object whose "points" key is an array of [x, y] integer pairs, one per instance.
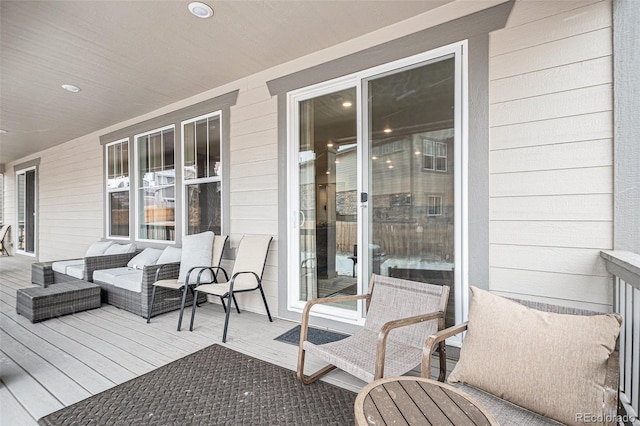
{"points": [[189, 155], [203, 208], [156, 195], [119, 213], [201, 149], [214, 147], [118, 165], [411, 231]]}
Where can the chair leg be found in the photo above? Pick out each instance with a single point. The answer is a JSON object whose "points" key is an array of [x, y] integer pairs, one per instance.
{"points": [[184, 301], [226, 318], [194, 295], [193, 310], [153, 298], [264, 299], [235, 302], [224, 305]]}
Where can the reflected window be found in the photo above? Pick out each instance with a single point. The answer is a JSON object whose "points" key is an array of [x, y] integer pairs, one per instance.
{"points": [[156, 185]]}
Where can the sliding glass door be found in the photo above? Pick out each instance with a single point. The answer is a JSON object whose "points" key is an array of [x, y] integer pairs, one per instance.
{"points": [[376, 178]]}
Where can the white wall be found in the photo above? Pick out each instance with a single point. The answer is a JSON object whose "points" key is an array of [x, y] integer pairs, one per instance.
{"points": [[551, 166]]}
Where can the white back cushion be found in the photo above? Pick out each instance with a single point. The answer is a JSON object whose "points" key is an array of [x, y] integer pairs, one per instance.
{"points": [[120, 248], [98, 248], [148, 256], [196, 251], [169, 255]]}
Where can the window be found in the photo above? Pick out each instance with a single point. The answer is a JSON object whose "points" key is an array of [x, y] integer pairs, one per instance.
{"points": [[202, 172], [156, 176], [434, 205], [117, 169], [435, 155]]}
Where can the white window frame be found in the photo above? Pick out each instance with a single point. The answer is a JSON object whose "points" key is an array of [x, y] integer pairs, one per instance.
{"points": [[435, 148], [210, 179], [437, 203], [110, 191], [136, 186]]}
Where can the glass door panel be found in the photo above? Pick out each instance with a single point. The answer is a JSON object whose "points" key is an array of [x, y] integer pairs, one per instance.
{"points": [[411, 174], [327, 179], [26, 214]]}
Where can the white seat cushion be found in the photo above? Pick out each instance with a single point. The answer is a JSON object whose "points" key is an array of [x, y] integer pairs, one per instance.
{"points": [[109, 275], [131, 282], [61, 266]]}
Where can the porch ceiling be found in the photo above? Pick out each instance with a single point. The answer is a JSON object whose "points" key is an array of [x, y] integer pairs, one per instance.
{"points": [[133, 57]]}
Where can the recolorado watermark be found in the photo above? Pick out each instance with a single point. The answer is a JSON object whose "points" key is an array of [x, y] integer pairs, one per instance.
{"points": [[599, 418]]}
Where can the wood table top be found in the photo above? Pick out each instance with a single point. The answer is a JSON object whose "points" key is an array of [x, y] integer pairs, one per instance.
{"points": [[410, 400]]}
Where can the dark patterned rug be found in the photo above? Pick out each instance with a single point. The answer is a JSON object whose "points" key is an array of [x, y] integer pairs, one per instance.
{"points": [[314, 335], [215, 385]]}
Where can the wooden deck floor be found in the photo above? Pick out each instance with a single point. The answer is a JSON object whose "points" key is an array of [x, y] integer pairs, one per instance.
{"points": [[55, 363]]}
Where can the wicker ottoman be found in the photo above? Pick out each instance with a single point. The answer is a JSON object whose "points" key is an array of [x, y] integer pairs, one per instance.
{"points": [[41, 273], [41, 303]]}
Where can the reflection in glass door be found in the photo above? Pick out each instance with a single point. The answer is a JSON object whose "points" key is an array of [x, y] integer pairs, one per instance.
{"points": [[410, 132], [26, 214], [327, 167]]}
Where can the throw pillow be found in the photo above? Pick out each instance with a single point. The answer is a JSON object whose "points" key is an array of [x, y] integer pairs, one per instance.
{"points": [[148, 256], [196, 251], [98, 248], [552, 364], [120, 248], [169, 255]]}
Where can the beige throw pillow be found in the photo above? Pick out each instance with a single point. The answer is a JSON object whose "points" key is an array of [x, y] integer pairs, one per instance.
{"points": [[552, 364]]}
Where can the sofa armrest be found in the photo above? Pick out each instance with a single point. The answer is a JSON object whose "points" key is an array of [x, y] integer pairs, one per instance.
{"points": [[430, 344], [108, 261], [166, 271]]}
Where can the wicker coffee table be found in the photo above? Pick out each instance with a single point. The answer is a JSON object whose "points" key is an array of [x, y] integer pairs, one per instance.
{"points": [[41, 303]]}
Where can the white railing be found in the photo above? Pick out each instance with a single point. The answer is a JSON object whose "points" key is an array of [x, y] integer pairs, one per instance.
{"points": [[625, 268]]}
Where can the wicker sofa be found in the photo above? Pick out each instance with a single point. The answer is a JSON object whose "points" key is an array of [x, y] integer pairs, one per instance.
{"points": [[535, 363]]}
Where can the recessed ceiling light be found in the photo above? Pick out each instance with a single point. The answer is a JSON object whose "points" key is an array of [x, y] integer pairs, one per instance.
{"points": [[71, 88], [346, 104], [3, 131], [330, 145], [200, 10], [387, 130]]}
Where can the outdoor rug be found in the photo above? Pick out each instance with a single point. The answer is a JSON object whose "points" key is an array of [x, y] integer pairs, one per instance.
{"points": [[215, 385], [314, 335]]}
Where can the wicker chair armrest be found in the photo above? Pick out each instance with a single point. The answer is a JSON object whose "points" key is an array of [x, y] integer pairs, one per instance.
{"points": [[108, 261], [429, 346], [381, 344], [304, 327], [611, 383]]}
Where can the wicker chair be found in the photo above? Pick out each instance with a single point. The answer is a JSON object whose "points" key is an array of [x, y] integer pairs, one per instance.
{"points": [[248, 269], [401, 314], [219, 242], [525, 343]]}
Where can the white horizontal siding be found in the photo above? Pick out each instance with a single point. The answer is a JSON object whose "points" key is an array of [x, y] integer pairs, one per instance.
{"points": [[551, 163]]}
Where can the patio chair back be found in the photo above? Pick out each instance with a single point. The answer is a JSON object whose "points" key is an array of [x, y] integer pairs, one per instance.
{"points": [[251, 257], [395, 298], [219, 242]]}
